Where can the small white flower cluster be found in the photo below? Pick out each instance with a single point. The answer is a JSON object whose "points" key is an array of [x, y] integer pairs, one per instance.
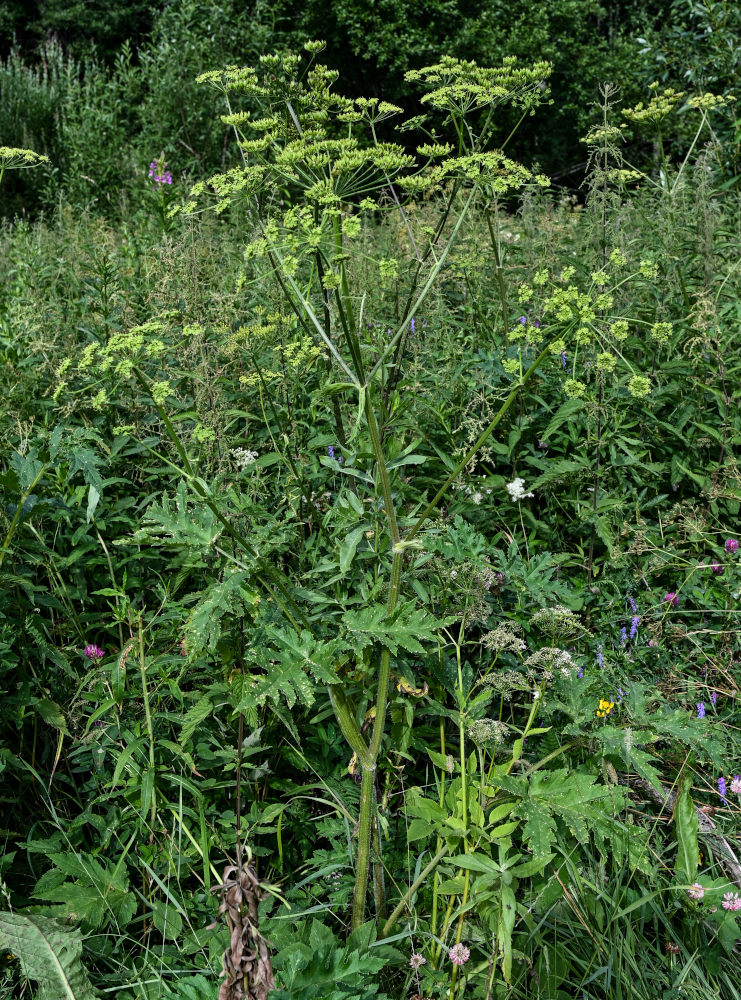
{"points": [[474, 494], [551, 660], [516, 490], [505, 637], [483, 731], [243, 457]]}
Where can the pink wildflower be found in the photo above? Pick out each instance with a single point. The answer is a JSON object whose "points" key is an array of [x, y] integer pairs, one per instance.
{"points": [[671, 598], [731, 901], [459, 954], [731, 545], [416, 960], [736, 784], [93, 652], [696, 891]]}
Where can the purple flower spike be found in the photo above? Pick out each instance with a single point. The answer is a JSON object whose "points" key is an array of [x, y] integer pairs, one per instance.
{"points": [[523, 321], [722, 789], [634, 623], [411, 324], [623, 635], [93, 652], [701, 710], [600, 658], [671, 598], [633, 607], [580, 672], [331, 451], [713, 698], [731, 545], [563, 360]]}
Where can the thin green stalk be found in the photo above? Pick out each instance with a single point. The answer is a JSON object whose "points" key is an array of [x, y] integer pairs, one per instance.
{"points": [[148, 718], [18, 511], [189, 473], [404, 901], [475, 447], [425, 290], [500, 276]]}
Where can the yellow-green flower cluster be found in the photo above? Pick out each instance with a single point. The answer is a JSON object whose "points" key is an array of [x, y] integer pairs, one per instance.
{"points": [[13, 158], [639, 386], [658, 108], [709, 102], [661, 332]]}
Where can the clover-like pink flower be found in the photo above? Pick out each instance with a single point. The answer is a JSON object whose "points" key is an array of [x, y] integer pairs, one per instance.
{"points": [[459, 954]]}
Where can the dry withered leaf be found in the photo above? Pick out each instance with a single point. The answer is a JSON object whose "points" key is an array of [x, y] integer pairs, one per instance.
{"points": [[247, 970]]}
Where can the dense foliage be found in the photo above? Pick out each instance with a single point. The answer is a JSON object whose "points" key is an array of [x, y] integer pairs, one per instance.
{"points": [[369, 506]]}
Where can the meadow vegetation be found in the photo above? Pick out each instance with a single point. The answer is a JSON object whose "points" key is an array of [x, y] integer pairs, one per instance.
{"points": [[369, 521]]}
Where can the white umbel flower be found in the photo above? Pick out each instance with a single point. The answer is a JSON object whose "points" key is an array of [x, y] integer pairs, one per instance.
{"points": [[243, 457], [516, 490]]}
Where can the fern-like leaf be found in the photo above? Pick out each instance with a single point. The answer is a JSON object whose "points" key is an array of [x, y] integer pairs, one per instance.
{"points": [[407, 629]]}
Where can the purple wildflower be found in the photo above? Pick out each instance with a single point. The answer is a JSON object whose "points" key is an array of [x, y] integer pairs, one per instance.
{"points": [[731, 545], [523, 320], [331, 451], [600, 657], [93, 652], [580, 672], [722, 789], [159, 173], [701, 710], [671, 598], [634, 623], [459, 954], [633, 607], [563, 360], [623, 635], [411, 324], [718, 569], [714, 698]]}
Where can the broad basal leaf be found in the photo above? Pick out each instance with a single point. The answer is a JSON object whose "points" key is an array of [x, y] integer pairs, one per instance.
{"points": [[49, 954]]}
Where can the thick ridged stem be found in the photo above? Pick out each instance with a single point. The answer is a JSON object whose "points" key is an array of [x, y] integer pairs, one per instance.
{"points": [[367, 790]]}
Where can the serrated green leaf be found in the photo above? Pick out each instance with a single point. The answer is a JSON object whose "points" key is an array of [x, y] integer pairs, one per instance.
{"points": [[49, 954]]}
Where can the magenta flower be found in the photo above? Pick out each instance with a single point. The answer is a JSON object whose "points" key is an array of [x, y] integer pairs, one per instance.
{"points": [[731, 901], [718, 569], [731, 545], [459, 954], [93, 652], [671, 598]]}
